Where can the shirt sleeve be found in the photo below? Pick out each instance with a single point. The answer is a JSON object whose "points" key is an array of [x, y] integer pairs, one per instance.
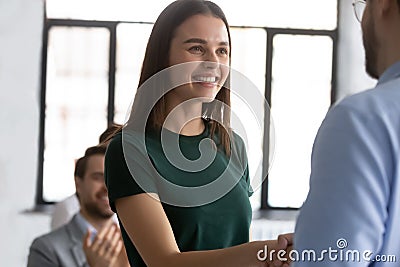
{"points": [[346, 206], [128, 170], [240, 152], [250, 190]]}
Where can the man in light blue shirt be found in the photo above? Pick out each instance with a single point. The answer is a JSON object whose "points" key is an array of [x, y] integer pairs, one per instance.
{"points": [[352, 213]]}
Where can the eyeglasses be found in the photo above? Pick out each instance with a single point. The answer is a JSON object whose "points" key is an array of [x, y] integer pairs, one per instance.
{"points": [[359, 7]]}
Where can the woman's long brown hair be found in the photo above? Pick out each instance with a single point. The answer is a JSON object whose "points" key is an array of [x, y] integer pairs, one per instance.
{"points": [[157, 59]]}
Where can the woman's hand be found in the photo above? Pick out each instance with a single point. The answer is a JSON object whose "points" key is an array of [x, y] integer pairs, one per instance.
{"points": [[284, 243]]}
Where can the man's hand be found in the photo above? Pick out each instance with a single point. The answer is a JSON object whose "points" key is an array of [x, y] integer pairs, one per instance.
{"points": [[285, 242], [106, 247]]}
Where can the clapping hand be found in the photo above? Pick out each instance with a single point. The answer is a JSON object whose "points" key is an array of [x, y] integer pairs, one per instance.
{"points": [[105, 248]]}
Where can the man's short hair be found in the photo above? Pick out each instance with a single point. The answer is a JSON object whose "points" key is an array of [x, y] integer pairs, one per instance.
{"points": [[80, 166]]}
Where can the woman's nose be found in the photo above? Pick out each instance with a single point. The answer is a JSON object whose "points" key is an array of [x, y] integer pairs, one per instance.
{"points": [[210, 65], [211, 62]]}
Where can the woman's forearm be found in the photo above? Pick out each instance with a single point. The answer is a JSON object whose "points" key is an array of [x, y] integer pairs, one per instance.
{"points": [[244, 255]]}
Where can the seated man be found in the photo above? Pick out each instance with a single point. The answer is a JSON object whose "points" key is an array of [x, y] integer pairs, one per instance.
{"points": [[66, 209], [91, 230]]}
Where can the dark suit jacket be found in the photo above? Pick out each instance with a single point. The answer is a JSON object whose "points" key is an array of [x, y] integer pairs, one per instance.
{"points": [[59, 248]]}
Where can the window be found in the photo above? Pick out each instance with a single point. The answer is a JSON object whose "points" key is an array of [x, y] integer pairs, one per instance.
{"points": [[91, 66], [76, 75], [300, 97]]}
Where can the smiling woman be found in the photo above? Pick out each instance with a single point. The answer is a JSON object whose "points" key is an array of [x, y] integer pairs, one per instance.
{"points": [[80, 67], [191, 43], [201, 38]]}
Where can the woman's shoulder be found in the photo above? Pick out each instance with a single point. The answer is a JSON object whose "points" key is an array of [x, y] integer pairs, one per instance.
{"points": [[115, 144], [114, 153], [237, 142], [238, 148], [123, 138], [237, 138], [127, 144]]}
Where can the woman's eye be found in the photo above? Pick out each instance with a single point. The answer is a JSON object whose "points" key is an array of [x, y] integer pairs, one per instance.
{"points": [[196, 49], [223, 51]]}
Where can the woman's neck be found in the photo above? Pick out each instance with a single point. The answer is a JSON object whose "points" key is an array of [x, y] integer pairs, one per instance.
{"points": [[185, 118]]}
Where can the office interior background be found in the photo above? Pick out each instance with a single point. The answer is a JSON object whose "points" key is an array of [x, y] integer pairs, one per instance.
{"points": [[63, 79]]}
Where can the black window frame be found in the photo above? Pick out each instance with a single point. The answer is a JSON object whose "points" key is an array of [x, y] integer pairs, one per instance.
{"points": [[271, 33], [112, 27]]}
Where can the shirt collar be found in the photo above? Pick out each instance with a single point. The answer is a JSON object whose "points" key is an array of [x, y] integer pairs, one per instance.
{"points": [[84, 225], [390, 73]]}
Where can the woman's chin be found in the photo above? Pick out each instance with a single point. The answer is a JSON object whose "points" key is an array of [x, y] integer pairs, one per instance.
{"points": [[206, 91]]}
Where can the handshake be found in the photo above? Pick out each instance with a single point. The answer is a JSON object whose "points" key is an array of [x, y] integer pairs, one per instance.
{"points": [[106, 249], [274, 253]]}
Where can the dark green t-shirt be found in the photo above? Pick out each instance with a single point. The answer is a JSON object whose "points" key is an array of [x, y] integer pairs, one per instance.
{"points": [[222, 223]]}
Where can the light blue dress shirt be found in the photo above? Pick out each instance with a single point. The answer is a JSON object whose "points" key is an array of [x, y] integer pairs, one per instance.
{"points": [[353, 206], [85, 225]]}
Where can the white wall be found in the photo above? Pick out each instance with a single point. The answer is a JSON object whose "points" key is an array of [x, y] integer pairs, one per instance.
{"points": [[20, 46]]}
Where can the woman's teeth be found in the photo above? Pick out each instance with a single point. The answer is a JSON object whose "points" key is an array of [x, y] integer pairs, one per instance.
{"points": [[206, 79]]}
